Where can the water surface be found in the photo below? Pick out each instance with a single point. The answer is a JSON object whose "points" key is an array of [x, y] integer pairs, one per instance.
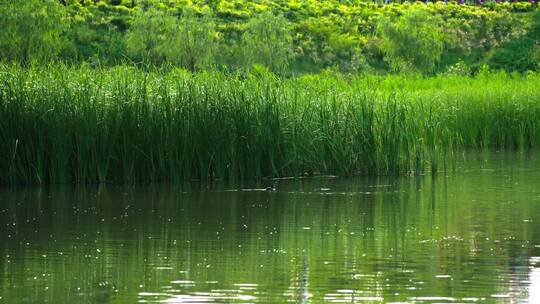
{"points": [[472, 236]]}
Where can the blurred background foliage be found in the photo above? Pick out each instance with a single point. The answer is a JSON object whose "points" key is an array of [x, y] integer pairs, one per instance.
{"points": [[284, 36]]}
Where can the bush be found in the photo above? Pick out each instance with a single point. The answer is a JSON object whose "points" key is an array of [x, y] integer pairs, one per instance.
{"points": [[459, 69], [268, 42], [187, 41], [148, 36], [31, 30], [194, 42], [324, 43], [521, 53], [413, 42]]}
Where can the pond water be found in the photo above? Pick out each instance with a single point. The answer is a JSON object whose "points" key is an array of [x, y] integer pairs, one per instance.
{"points": [[470, 236]]}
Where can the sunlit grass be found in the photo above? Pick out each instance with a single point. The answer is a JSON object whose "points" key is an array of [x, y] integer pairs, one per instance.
{"points": [[61, 124]]}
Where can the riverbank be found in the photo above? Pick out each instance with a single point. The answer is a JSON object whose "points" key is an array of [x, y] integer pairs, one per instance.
{"points": [[80, 125]]}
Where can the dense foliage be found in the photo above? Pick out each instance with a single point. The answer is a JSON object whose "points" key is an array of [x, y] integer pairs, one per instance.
{"points": [[281, 35], [61, 124], [71, 109]]}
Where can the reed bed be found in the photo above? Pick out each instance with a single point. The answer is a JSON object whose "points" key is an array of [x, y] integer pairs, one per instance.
{"points": [[64, 124]]}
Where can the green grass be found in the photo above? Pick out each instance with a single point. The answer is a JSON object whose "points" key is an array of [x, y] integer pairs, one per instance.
{"points": [[63, 124]]}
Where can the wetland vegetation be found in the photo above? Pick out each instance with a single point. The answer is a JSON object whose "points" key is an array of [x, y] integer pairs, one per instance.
{"points": [[301, 151], [158, 91], [62, 125]]}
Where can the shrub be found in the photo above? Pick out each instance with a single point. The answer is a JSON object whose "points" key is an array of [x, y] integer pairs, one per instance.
{"points": [[459, 69], [148, 36], [324, 43], [268, 42], [31, 30], [413, 42], [187, 41], [194, 42], [521, 53]]}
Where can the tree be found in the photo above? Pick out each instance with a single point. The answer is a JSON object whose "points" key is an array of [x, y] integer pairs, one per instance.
{"points": [[148, 35], [31, 30], [157, 37], [413, 42], [194, 43], [325, 43], [268, 42]]}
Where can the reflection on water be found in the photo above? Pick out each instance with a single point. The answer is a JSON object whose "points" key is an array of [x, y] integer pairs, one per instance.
{"points": [[467, 237], [533, 289]]}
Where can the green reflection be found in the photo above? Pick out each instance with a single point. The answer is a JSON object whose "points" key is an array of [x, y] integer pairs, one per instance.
{"points": [[470, 236]]}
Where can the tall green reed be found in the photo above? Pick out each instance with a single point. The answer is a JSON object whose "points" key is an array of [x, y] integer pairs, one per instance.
{"points": [[63, 124]]}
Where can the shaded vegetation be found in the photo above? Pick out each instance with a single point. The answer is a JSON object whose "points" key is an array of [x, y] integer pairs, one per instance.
{"points": [[522, 53]]}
